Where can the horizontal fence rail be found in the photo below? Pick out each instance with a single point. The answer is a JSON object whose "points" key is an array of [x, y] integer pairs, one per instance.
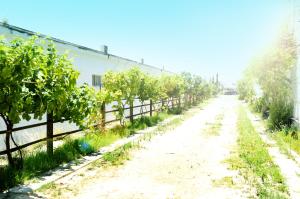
{"points": [[49, 123]]}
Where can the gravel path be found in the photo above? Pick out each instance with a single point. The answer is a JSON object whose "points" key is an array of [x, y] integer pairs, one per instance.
{"points": [[183, 163]]}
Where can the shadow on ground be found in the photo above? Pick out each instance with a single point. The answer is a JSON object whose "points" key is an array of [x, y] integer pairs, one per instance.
{"points": [[10, 195]]}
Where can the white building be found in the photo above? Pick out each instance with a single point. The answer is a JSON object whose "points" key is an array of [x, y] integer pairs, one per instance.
{"points": [[89, 62]]}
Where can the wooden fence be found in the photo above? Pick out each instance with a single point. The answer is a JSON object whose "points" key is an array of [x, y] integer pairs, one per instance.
{"points": [[49, 123]]}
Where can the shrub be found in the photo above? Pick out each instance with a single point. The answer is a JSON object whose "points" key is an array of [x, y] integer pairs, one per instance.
{"points": [[280, 114]]}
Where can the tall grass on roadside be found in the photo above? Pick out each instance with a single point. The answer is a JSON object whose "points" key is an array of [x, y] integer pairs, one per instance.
{"points": [[255, 163], [287, 139], [38, 162]]}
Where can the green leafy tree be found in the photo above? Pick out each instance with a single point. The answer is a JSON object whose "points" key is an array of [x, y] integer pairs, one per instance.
{"points": [[173, 85], [197, 91], [123, 87], [149, 89], [114, 83], [35, 81], [188, 86], [20, 76], [273, 73]]}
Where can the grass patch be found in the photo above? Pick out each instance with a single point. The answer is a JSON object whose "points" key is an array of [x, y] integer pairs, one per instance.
{"points": [[51, 187], [287, 140], [48, 186], [143, 122], [255, 163], [38, 162], [226, 181], [176, 110], [118, 156], [213, 129]]}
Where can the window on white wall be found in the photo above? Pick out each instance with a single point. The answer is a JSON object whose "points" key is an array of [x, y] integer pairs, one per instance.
{"points": [[96, 81]]}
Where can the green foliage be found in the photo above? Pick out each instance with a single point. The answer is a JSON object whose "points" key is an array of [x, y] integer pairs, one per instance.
{"points": [[281, 113], [245, 89], [287, 139], [260, 105], [273, 73], [39, 162], [144, 121], [20, 65], [172, 85], [176, 110], [123, 87], [188, 85], [196, 86], [118, 156], [149, 88], [256, 160], [35, 80]]}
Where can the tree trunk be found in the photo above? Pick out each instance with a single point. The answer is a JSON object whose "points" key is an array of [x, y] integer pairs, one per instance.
{"points": [[9, 127], [131, 112], [103, 115], [50, 134], [151, 107]]}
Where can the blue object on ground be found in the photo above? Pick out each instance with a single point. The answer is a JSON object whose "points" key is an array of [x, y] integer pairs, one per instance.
{"points": [[85, 147]]}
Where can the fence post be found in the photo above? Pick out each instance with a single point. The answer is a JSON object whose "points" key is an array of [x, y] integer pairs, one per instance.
{"points": [[103, 116], [162, 104], [151, 105], [50, 134], [131, 112], [179, 102]]}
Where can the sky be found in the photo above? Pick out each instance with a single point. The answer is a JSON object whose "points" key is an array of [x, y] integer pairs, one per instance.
{"points": [[203, 37]]}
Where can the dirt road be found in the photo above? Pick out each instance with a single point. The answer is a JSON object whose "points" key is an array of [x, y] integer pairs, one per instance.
{"points": [[186, 162]]}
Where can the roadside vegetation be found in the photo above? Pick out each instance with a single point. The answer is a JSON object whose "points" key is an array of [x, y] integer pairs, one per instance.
{"points": [[268, 87], [38, 161], [254, 162], [40, 81], [287, 140], [267, 83]]}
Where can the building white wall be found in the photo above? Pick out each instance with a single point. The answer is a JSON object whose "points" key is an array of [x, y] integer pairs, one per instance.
{"points": [[87, 61]]}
